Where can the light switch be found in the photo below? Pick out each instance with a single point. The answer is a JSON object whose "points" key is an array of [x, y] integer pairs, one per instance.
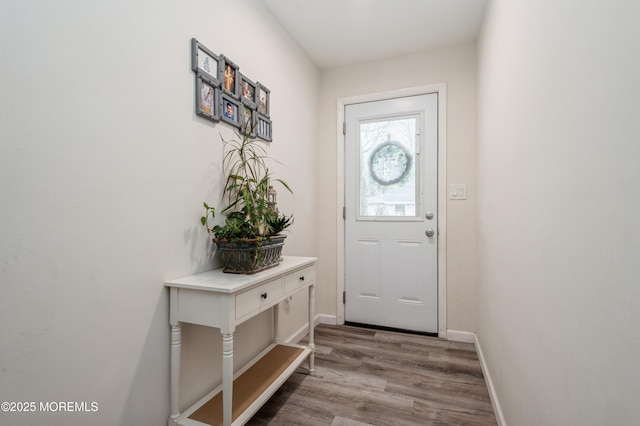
{"points": [[458, 191]]}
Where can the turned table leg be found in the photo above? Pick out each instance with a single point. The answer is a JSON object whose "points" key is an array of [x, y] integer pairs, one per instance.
{"points": [[227, 377], [176, 343]]}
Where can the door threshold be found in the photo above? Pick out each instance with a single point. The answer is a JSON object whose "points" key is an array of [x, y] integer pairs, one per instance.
{"points": [[393, 329]]}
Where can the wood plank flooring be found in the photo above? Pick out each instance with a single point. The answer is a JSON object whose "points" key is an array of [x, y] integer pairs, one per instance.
{"points": [[372, 377]]}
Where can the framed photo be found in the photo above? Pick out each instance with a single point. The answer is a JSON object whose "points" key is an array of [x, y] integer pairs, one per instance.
{"points": [[247, 91], [248, 117], [263, 97], [263, 128], [207, 94], [205, 62], [230, 110], [229, 76]]}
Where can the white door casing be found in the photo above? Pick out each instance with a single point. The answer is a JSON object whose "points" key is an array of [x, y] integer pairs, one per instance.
{"points": [[391, 213]]}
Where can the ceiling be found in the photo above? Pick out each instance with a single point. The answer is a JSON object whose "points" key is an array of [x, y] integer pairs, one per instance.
{"points": [[343, 32]]}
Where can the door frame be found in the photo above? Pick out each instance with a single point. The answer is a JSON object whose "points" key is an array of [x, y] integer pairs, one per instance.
{"points": [[441, 90]]}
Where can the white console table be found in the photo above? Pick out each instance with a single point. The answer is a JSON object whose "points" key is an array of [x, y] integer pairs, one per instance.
{"points": [[220, 300]]}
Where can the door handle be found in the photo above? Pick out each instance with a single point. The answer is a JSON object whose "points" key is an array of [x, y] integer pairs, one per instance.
{"points": [[429, 232]]}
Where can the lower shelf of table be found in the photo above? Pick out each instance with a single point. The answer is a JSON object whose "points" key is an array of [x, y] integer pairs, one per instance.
{"points": [[252, 387]]}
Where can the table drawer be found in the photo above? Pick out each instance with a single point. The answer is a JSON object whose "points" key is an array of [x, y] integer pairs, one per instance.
{"points": [[295, 280], [252, 300]]}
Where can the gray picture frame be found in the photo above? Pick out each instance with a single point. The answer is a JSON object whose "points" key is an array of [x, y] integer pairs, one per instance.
{"points": [[263, 100], [205, 62], [229, 85], [207, 98], [219, 84], [248, 91], [248, 126], [264, 127], [225, 102]]}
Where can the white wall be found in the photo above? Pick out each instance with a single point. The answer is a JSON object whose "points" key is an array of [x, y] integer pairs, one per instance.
{"points": [[558, 202], [455, 66], [104, 167]]}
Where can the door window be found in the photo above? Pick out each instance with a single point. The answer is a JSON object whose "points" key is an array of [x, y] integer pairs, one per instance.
{"points": [[388, 178]]}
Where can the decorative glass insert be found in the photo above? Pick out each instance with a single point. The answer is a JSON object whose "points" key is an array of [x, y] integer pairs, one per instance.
{"points": [[388, 175]]}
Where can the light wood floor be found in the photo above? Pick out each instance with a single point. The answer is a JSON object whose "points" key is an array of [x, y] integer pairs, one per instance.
{"points": [[371, 377]]}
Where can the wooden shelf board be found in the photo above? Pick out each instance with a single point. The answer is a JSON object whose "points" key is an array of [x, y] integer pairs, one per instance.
{"points": [[252, 384]]}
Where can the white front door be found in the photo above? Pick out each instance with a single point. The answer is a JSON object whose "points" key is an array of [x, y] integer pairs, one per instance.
{"points": [[391, 159]]}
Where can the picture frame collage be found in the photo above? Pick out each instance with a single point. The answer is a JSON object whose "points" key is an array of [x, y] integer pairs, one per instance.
{"points": [[224, 94]]}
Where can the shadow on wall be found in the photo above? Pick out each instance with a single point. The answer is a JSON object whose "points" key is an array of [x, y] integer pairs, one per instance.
{"points": [[201, 260]]}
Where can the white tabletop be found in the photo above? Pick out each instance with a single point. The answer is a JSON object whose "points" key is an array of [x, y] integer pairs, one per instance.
{"points": [[221, 282]]}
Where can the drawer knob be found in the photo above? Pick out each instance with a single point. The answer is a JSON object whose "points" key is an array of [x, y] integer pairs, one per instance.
{"points": [[302, 278], [264, 295]]}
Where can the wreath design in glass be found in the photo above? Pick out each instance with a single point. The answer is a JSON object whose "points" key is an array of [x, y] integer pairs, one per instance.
{"points": [[390, 163]]}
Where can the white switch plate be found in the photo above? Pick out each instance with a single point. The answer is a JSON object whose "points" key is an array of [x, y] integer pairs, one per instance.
{"points": [[458, 191]]}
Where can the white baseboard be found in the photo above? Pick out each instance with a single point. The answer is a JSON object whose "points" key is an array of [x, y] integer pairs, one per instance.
{"points": [[326, 319], [497, 409], [461, 336], [469, 337], [302, 331]]}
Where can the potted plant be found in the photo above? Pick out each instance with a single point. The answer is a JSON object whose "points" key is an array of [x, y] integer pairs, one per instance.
{"points": [[251, 238]]}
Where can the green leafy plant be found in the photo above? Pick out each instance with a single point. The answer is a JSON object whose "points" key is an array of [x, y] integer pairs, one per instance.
{"points": [[278, 223], [250, 215], [210, 212]]}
